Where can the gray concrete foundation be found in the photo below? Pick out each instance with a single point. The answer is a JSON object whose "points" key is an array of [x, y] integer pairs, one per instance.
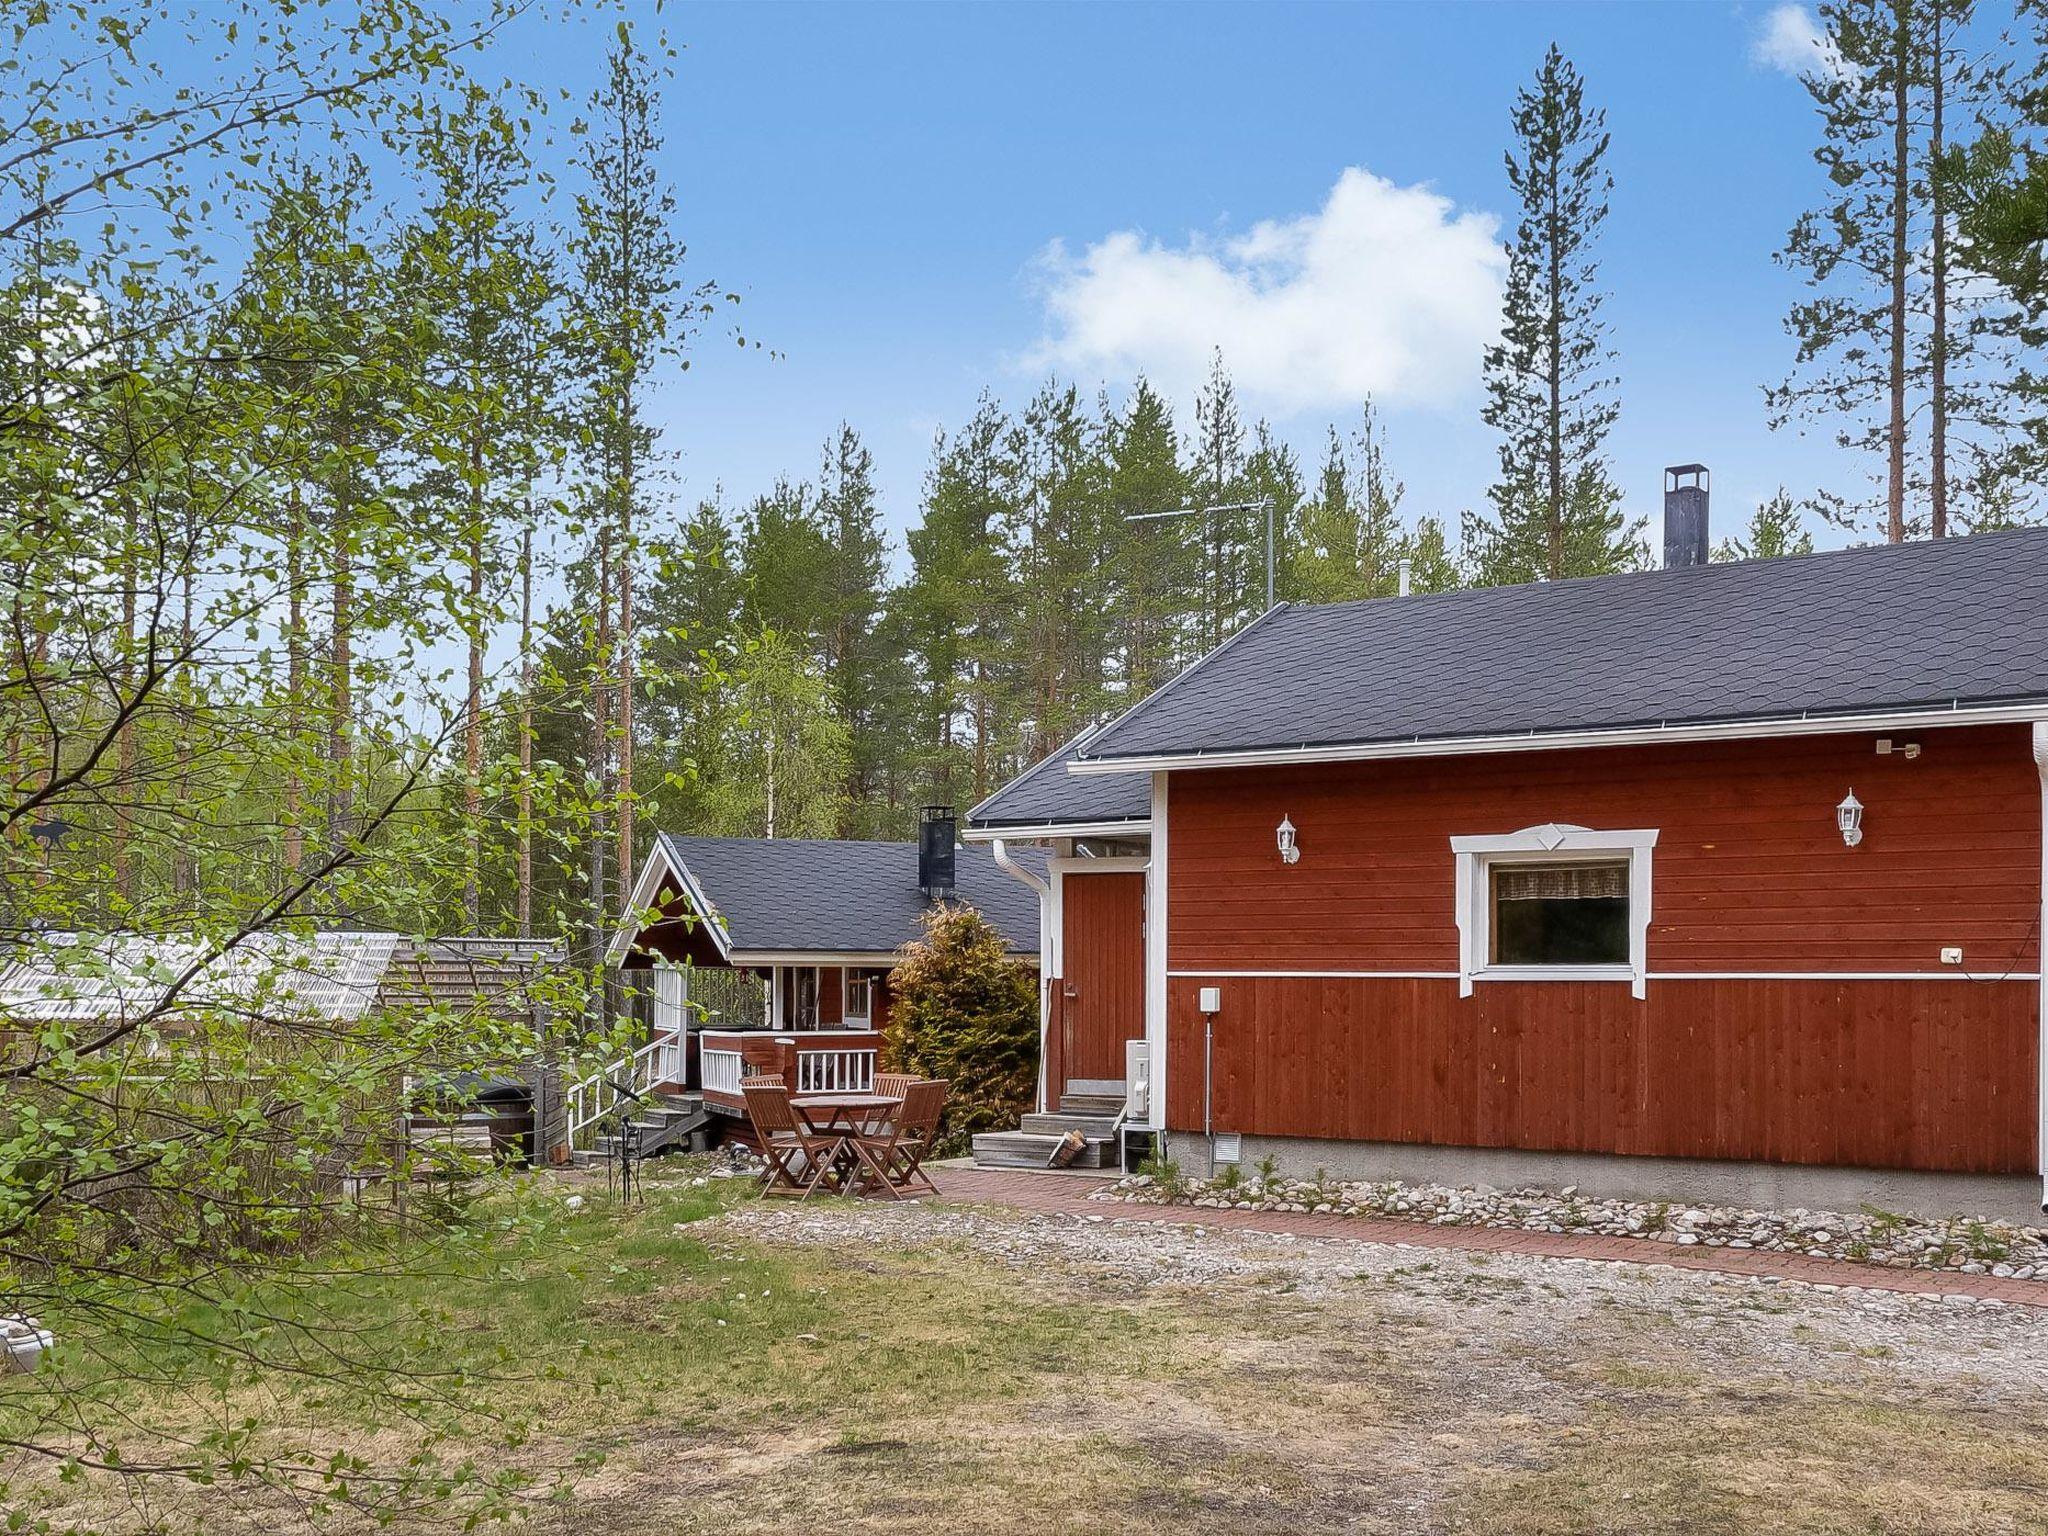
{"points": [[1683, 1181]]}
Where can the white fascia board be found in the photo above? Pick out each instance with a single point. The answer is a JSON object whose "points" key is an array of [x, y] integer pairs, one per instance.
{"points": [[1624, 736], [879, 959], [1040, 831]]}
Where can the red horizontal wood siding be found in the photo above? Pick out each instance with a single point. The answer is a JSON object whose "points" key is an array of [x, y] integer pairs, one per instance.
{"points": [[1749, 875], [1750, 872]]}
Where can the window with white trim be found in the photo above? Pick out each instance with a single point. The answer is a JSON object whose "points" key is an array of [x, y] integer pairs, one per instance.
{"points": [[1554, 903], [858, 1012]]}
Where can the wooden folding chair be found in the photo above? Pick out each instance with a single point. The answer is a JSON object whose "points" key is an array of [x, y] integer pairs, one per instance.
{"points": [[799, 1159], [894, 1158], [894, 1085]]}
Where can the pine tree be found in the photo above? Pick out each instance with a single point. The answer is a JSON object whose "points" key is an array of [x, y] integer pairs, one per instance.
{"points": [[470, 259], [1062, 584], [1273, 484], [630, 311], [1350, 541], [1149, 557], [1775, 528], [1549, 394], [961, 607], [786, 556], [850, 606], [1889, 335], [1433, 564], [1232, 577]]}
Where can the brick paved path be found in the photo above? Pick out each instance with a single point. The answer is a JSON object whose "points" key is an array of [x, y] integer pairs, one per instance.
{"points": [[1068, 1192]]}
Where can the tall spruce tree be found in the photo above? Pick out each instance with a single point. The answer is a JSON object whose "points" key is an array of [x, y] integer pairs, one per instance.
{"points": [[1549, 390]]}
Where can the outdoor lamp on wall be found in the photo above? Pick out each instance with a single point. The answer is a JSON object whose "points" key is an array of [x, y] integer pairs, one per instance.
{"points": [[1284, 834], [1849, 817]]}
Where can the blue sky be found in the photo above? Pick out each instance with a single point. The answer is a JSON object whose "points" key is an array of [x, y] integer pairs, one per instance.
{"points": [[883, 185]]}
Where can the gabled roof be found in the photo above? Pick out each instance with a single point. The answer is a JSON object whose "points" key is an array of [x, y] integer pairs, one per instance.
{"points": [[792, 896], [1045, 799], [1911, 630]]}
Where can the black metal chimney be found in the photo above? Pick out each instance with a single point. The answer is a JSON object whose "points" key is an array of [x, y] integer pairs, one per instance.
{"points": [[1685, 515], [936, 829]]}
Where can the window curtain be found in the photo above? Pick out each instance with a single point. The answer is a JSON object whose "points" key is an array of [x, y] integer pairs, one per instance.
{"points": [[1560, 882]]}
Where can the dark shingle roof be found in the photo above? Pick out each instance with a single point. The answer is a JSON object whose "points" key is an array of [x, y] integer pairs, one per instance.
{"points": [[1045, 794], [842, 897], [1878, 630]]}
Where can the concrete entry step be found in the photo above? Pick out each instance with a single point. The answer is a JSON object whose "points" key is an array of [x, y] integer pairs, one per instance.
{"points": [[1094, 1127], [1021, 1149], [1104, 1104]]}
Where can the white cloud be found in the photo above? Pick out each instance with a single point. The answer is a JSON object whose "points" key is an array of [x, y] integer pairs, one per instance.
{"points": [[1385, 291], [1792, 41]]}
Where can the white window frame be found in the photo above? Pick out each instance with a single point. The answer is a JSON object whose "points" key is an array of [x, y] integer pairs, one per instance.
{"points": [[848, 978], [1551, 843]]}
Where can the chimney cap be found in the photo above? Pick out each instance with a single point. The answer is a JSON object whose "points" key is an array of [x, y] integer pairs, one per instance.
{"points": [[1685, 476]]}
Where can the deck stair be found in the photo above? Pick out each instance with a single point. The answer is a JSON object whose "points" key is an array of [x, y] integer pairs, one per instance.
{"points": [[1031, 1145], [667, 1122]]}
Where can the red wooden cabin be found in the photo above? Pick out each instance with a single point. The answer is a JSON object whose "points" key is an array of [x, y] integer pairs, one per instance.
{"points": [[815, 927], [1711, 882]]}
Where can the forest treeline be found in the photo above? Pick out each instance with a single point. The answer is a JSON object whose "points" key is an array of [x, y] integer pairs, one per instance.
{"points": [[410, 414]]}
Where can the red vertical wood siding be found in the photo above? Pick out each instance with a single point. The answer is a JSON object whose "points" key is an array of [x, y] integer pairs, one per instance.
{"points": [[1749, 874], [831, 995]]}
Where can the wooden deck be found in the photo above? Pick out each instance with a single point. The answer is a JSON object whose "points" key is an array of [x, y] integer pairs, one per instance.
{"points": [[809, 1061]]}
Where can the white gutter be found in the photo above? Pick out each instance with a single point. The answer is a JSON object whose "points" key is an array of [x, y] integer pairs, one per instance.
{"points": [[2041, 1010], [1533, 741], [1016, 871], [1138, 826]]}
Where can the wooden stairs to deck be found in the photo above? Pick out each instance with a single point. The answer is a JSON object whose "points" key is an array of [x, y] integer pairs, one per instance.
{"points": [[1032, 1144], [668, 1121]]}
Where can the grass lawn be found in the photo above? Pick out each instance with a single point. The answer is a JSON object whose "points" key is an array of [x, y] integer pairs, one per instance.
{"points": [[832, 1369]]}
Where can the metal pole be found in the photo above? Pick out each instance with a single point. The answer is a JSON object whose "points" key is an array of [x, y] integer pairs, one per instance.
{"points": [[1269, 553]]}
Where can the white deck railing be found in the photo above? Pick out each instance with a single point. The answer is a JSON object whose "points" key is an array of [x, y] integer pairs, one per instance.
{"points": [[835, 1071], [660, 1060], [722, 1070]]}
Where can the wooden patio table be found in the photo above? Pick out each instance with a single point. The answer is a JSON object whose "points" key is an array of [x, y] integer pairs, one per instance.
{"points": [[845, 1115]]}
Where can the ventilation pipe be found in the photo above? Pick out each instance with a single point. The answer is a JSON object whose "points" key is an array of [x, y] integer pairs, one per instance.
{"points": [[1685, 516]]}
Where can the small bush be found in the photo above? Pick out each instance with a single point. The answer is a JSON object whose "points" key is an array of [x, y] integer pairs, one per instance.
{"points": [[1166, 1177], [964, 1010]]}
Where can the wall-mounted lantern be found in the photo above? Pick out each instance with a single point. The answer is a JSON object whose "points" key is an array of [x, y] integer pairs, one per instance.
{"points": [[1284, 834], [1849, 817]]}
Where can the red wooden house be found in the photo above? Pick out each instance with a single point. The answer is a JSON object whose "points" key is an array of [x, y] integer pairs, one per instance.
{"points": [[809, 929], [1710, 882]]}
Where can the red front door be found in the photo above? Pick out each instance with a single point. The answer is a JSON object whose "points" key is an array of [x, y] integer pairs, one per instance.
{"points": [[1102, 990]]}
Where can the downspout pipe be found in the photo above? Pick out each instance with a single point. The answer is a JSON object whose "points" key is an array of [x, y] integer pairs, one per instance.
{"points": [[2041, 967], [1018, 872]]}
